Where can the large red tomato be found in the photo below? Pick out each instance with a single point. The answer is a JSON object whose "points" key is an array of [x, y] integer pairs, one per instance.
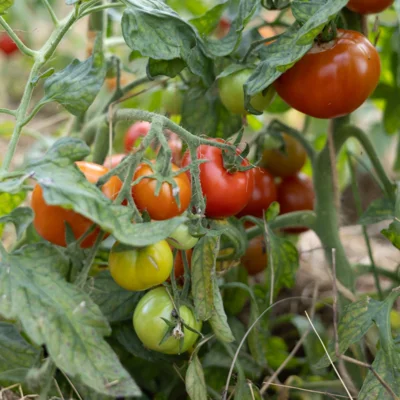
{"points": [[226, 193], [264, 193], [50, 220], [333, 79], [7, 45], [164, 205], [296, 193], [369, 6]]}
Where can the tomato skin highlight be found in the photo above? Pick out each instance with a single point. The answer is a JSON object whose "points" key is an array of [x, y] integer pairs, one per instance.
{"points": [[142, 268], [135, 132], [232, 93], [264, 193], [296, 193], [7, 45], [287, 162], [164, 205], [150, 328], [369, 6], [333, 79], [255, 260], [226, 193], [49, 220]]}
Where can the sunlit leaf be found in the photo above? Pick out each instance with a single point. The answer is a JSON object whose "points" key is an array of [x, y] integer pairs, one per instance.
{"points": [[195, 382]]}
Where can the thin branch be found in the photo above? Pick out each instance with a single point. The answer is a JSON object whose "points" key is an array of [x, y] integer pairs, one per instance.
{"points": [[100, 8], [53, 15], [72, 385], [258, 43], [24, 49], [310, 391], [7, 111], [328, 355], [332, 156]]}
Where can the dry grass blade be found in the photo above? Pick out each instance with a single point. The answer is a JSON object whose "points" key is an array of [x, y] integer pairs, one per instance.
{"points": [[333, 396]]}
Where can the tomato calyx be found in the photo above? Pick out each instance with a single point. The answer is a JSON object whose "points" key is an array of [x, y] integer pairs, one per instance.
{"points": [[233, 159], [328, 34]]}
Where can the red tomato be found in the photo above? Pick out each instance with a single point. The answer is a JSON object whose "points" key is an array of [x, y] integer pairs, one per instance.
{"points": [[7, 45], [369, 6], [296, 193], [163, 206], [264, 193], [333, 79], [226, 193], [175, 144], [114, 160], [255, 260], [135, 132], [223, 28], [179, 268], [50, 220]]}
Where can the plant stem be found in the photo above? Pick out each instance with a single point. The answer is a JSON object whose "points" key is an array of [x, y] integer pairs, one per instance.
{"points": [[101, 8], [51, 12], [7, 111], [41, 58], [258, 43], [24, 49]]}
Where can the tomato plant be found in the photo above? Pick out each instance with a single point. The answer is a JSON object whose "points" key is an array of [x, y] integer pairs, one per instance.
{"points": [[333, 79], [369, 6], [150, 326], [263, 194], [286, 161], [232, 93], [234, 189], [50, 220], [141, 268], [164, 205]]}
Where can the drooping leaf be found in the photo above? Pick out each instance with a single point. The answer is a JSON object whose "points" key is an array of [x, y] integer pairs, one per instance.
{"points": [[379, 210], [115, 303], [195, 381], [219, 320], [20, 217], [64, 185], [17, 356], [156, 31], [203, 272], [13, 186], [169, 68], [5, 5], [56, 313], [65, 87]]}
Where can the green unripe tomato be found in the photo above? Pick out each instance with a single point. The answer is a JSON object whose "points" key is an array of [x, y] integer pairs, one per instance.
{"points": [[172, 100], [150, 328], [181, 238], [232, 93]]}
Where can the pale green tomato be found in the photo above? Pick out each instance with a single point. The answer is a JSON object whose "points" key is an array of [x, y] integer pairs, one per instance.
{"points": [[181, 239]]}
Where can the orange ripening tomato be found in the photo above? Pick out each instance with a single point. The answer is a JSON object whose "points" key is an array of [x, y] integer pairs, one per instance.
{"points": [[333, 79], [296, 193], [264, 193], [285, 162], [164, 205], [179, 268], [50, 220], [255, 260], [369, 6]]}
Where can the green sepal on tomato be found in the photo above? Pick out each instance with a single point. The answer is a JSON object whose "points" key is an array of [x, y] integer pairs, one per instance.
{"points": [[141, 268], [149, 324], [226, 193]]}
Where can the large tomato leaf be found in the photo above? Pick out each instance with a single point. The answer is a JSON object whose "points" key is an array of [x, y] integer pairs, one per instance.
{"points": [[64, 185], [207, 22], [65, 87], [203, 272], [115, 303], [5, 5], [195, 381], [21, 218], [17, 356], [219, 320], [156, 31], [57, 314], [284, 52]]}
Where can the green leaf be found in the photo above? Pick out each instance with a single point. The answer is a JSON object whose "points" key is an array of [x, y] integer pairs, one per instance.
{"points": [[393, 234], [356, 320], [5, 5], [379, 210], [8, 202], [391, 119], [219, 320], [65, 87], [255, 338], [195, 381], [235, 298], [126, 336], [284, 259], [206, 23], [57, 314], [169, 68], [158, 32], [63, 184], [13, 186], [388, 368], [20, 217], [203, 272], [115, 303], [17, 356]]}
